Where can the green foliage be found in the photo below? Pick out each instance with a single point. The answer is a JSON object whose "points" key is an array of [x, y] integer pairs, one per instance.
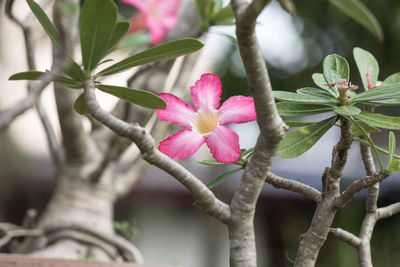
{"points": [[314, 91], [218, 180], [80, 105], [361, 14], [389, 91], [366, 62], [320, 81], [165, 51], [36, 75], [212, 13], [379, 120], [392, 146], [299, 109], [347, 110], [293, 124], [138, 97], [97, 22], [301, 98], [335, 68], [297, 142], [394, 78], [368, 128]]}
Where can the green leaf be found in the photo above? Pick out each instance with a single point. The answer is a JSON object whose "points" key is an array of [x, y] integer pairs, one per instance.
{"points": [[394, 166], [138, 97], [314, 92], [368, 128], [297, 123], [319, 80], [121, 28], [213, 162], [336, 68], [347, 110], [389, 91], [371, 143], [165, 51], [366, 62], [70, 83], [75, 72], [380, 149], [224, 16], [293, 97], [44, 20], [26, 75], [97, 23], [80, 105], [392, 145], [394, 78], [297, 142], [387, 102], [298, 109], [136, 40], [356, 10], [218, 180], [379, 120]]}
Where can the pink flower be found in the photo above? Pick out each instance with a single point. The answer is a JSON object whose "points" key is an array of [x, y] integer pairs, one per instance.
{"points": [[160, 16], [206, 123]]}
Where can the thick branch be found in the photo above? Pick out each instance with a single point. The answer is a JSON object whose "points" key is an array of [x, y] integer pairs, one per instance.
{"points": [[294, 186], [388, 211], [205, 198], [346, 236], [357, 186]]}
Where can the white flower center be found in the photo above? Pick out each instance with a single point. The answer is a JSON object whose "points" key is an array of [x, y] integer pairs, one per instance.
{"points": [[205, 121]]}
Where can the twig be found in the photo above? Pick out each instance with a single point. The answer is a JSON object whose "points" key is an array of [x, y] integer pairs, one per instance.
{"points": [[388, 211], [346, 236], [206, 199], [294, 186], [12, 231]]}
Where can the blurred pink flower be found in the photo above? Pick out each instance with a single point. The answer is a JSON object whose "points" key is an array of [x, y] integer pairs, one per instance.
{"points": [[160, 16], [205, 125]]}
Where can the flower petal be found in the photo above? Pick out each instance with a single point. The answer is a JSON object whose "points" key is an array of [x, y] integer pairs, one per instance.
{"points": [[156, 29], [177, 111], [206, 92], [224, 144], [237, 109], [182, 144]]}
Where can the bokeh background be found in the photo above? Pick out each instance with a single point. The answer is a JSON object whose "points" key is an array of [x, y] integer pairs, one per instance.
{"points": [[166, 226]]}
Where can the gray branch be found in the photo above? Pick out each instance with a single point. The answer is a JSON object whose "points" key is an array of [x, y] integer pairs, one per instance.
{"points": [[294, 186], [346, 236], [137, 134], [388, 211]]}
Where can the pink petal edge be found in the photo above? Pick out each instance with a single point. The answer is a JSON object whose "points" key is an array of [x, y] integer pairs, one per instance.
{"points": [[224, 144], [237, 109], [182, 144], [207, 92], [177, 111]]}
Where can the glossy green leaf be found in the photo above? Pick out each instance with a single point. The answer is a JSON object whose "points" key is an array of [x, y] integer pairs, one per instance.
{"points": [[80, 105], [394, 78], [138, 97], [366, 62], [298, 109], [392, 145], [314, 92], [368, 128], [213, 162], [218, 180], [97, 23], [298, 123], [299, 98], [44, 20], [389, 91], [336, 68], [347, 110], [394, 166], [387, 102], [356, 10], [380, 149], [70, 83], [165, 51], [297, 142], [121, 28], [379, 120], [75, 72], [26, 75]]}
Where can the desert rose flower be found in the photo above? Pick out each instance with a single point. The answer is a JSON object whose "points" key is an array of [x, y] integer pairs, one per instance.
{"points": [[205, 123], [160, 16]]}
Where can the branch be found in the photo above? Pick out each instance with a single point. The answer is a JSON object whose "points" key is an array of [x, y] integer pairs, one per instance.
{"points": [[12, 231], [294, 186], [388, 211], [357, 186], [137, 134], [346, 236]]}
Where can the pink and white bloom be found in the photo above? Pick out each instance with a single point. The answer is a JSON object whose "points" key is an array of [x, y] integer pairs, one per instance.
{"points": [[206, 124], [160, 16]]}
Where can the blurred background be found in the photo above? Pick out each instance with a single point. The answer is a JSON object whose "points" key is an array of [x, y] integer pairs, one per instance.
{"points": [[166, 226]]}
